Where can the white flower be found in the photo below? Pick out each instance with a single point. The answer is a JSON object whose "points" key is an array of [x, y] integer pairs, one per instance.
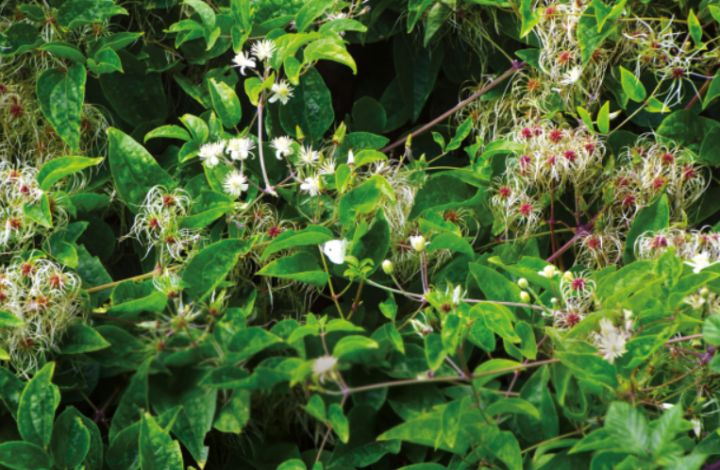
{"points": [[667, 406], [327, 168], [335, 250], [697, 426], [308, 156], [241, 60], [211, 153], [548, 271], [282, 146], [311, 185], [700, 262], [351, 158], [418, 242], [324, 366], [458, 294], [611, 345], [571, 76], [606, 327], [235, 183], [240, 148], [263, 50], [281, 91]]}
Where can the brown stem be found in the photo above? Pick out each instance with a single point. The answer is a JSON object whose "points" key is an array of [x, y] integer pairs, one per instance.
{"points": [[357, 299], [515, 67], [697, 96], [108, 317], [136, 278]]}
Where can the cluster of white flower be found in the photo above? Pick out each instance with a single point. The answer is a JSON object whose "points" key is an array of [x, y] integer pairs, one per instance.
{"points": [[18, 191], [46, 299], [157, 223], [698, 247], [610, 341], [263, 51]]}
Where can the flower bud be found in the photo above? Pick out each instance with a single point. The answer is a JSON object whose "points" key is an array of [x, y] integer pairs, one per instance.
{"points": [[300, 135], [568, 276], [523, 283], [418, 243], [525, 297], [351, 158], [704, 292], [339, 135], [554, 301], [549, 271], [387, 266]]}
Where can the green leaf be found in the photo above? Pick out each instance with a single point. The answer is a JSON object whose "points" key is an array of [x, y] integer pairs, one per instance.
{"points": [[361, 200], [37, 408], [588, 35], [207, 209], [443, 192], [294, 464], [460, 134], [714, 89], [64, 50], [250, 341], [158, 451], [695, 28], [11, 389], [226, 103], [450, 241], [654, 217], [76, 13], [632, 86], [498, 318], [81, 338], [666, 428], [24, 456], [330, 49], [451, 418], [711, 330], [55, 170], [535, 391], [316, 408], [627, 426], [603, 119], [168, 132], [135, 171], [19, 38], [434, 351], [416, 69], [528, 346], [310, 11], [686, 129], [585, 116], [105, 61], [590, 366], [368, 115], [530, 17], [352, 345], [389, 307], [70, 440], [339, 422], [514, 406], [494, 285], [61, 97], [207, 269], [488, 370], [310, 108], [301, 267], [136, 95], [132, 402], [8, 320], [39, 213], [310, 235]]}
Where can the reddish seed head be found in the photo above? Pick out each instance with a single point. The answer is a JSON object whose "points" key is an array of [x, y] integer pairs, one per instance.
{"points": [[552, 159], [564, 58], [658, 242], [14, 174], [556, 135], [170, 239], [16, 111], [273, 231], [525, 210], [26, 343], [154, 223], [593, 243], [570, 155], [168, 201], [533, 85], [595, 55], [572, 319], [622, 181], [578, 284], [654, 44], [3, 89], [550, 11], [590, 148], [504, 192], [667, 159], [85, 125], [451, 216], [56, 281], [628, 200], [24, 189], [677, 73], [658, 182], [3, 297], [526, 133], [688, 173], [537, 130], [27, 269], [15, 223]]}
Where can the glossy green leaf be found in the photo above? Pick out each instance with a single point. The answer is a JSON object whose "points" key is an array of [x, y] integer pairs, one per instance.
{"points": [[70, 440], [330, 49], [226, 103], [654, 217], [513, 406], [443, 192], [417, 69], [132, 402], [301, 267], [316, 408], [64, 50], [19, 38], [24, 456], [58, 168], [207, 209], [632, 86], [11, 389], [208, 269], [135, 171], [353, 345], [168, 132], [695, 28], [61, 97], [158, 451], [339, 422], [8, 320], [76, 13], [628, 428], [603, 119], [310, 108], [310, 235], [434, 350], [81, 338], [309, 12], [36, 410]]}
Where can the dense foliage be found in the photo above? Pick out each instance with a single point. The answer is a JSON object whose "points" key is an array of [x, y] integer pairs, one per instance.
{"points": [[327, 234]]}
